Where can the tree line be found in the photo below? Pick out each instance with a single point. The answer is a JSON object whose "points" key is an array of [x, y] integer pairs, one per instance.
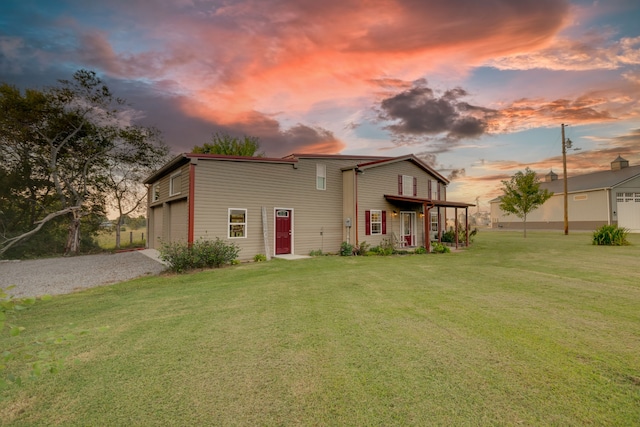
{"points": [[67, 153]]}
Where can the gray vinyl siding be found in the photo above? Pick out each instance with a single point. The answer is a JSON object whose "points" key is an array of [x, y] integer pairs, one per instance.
{"points": [[317, 214], [348, 205], [381, 180]]}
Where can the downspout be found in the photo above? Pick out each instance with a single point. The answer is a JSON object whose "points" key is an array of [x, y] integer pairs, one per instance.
{"points": [[355, 194], [455, 221], [427, 231], [608, 193], [192, 183], [466, 220]]}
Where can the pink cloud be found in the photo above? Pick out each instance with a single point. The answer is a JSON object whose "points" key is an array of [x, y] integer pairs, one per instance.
{"points": [[272, 56]]}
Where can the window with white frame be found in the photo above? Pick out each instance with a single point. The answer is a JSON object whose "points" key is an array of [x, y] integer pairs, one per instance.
{"points": [[175, 184], [376, 222], [237, 223], [434, 189], [434, 221], [407, 185], [321, 176], [155, 192]]}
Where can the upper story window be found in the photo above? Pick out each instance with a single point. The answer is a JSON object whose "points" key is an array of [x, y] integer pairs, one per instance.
{"points": [[434, 189], [237, 223], [155, 192], [321, 176], [175, 184], [407, 185]]}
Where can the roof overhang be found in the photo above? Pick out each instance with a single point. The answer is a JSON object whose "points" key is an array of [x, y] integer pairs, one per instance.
{"points": [[361, 167], [193, 158], [428, 202]]}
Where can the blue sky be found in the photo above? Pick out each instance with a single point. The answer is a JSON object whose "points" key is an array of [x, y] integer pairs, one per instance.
{"points": [[477, 89]]}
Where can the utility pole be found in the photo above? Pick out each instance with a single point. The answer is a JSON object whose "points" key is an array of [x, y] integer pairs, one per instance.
{"points": [[566, 143]]}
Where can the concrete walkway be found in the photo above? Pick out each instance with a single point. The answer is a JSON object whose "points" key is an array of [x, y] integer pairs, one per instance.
{"points": [[154, 255], [291, 256]]}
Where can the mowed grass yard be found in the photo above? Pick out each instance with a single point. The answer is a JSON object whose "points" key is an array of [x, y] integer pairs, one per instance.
{"points": [[512, 331]]}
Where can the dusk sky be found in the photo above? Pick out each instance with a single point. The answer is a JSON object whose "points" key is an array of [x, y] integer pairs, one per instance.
{"points": [[477, 89]]}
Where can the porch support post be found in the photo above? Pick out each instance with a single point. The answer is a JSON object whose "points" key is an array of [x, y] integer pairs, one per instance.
{"points": [[466, 227], [455, 221], [440, 225], [427, 237]]}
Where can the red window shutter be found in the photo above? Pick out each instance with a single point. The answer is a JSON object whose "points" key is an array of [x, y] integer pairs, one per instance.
{"points": [[400, 185], [367, 222], [439, 185], [415, 186], [384, 222], [429, 189]]}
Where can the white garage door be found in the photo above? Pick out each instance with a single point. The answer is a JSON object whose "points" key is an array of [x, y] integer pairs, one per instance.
{"points": [[629, 211]]}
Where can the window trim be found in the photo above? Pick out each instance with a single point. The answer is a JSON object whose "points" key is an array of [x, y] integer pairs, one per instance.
{"points": [[372, 222], [434, 221], [407, 184], [172, 191], [321, 173], [155, 192], [243, 224], [368, 229]]}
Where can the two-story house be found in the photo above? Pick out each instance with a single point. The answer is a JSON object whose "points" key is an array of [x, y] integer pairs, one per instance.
{"points": [[299, 203]]}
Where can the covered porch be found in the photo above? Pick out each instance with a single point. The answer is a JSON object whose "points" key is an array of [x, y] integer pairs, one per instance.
{"points": [[425, 208]]}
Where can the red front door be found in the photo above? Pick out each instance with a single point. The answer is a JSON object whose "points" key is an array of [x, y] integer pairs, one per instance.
{"points": [[283, 231]]}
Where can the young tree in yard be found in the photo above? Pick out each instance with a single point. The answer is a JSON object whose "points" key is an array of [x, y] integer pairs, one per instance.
{"points": [[66, 139], [522, 195], [223, 143]]}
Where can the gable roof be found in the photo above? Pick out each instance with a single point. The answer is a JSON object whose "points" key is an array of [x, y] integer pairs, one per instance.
{"points": [[409, 157], [369, 162], [593, 181]]}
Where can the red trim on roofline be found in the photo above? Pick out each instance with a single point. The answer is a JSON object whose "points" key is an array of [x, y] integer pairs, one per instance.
{"points": [[239, 158], [333, 156]]}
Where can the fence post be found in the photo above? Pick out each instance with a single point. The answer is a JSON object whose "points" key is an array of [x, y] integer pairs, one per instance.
{"points": [[131, 237]]}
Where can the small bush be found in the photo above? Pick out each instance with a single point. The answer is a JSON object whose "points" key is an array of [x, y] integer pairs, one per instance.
{"points": [[610, 235], [449, 236], [259, 258], [317, 252], [385, 249], [201, 254], [346, 249], [362, 248], [421, 250], [439, 248]]}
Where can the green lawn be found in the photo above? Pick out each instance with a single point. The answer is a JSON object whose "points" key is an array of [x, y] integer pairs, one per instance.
{"points": [[542, 331]]}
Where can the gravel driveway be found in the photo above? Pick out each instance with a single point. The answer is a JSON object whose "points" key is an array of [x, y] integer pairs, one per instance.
{"points": [[65, 275]]}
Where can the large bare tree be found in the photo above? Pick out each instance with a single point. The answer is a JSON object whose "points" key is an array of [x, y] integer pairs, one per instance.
{"points": [[70, 136]]}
